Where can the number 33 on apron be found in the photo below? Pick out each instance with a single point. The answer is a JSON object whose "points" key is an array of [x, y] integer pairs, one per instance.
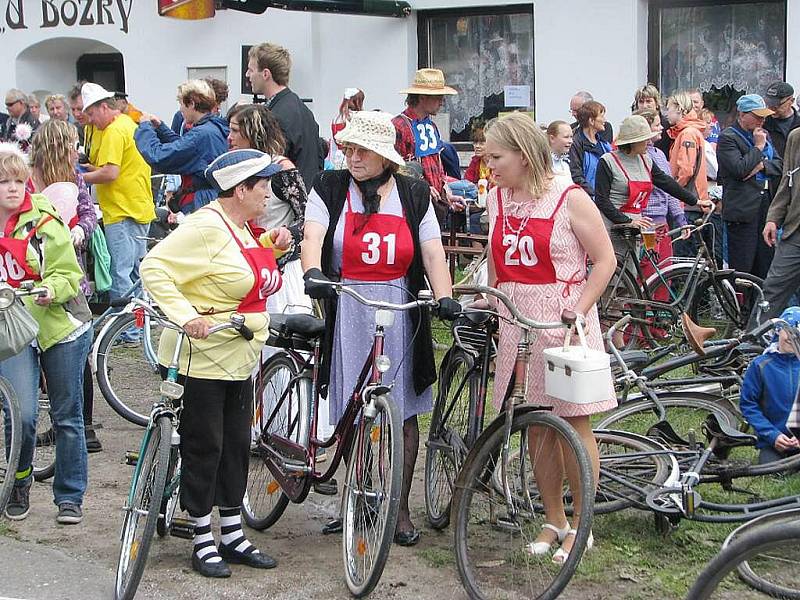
{"points": [[521, 246], [376, 247]]}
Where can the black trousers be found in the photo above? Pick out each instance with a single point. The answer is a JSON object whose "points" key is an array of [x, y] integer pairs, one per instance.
{"points": [[215, 443], [747, 250]]}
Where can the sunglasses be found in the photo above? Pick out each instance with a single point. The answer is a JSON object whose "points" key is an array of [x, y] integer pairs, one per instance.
{"points": [[10, 104]]}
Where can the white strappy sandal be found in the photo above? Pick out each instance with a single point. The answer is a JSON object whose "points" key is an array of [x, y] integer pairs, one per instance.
{"points": [[539, 548], [561, 555]]}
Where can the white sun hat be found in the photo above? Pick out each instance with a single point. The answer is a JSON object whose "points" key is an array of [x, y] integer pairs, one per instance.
{"points": [[91, 93], [374, 131]]}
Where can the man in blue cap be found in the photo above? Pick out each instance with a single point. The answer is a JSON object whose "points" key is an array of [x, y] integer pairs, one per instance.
{"points": [[769, 391], [748, 163]]}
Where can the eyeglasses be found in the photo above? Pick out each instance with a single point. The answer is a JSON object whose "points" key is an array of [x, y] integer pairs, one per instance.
{"points": [[349, 151]]}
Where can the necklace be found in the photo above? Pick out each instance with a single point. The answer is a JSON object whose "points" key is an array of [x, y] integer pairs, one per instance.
{"points": [[506, 224]]}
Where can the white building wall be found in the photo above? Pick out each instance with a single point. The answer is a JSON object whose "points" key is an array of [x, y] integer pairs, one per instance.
{"points": [[598, 45]]}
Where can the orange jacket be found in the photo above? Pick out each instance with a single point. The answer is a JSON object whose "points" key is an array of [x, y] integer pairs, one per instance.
{"points": [[689, 141]]}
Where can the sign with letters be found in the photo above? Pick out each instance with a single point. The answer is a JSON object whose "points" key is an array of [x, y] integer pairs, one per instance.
{"points": [[47, 14]]}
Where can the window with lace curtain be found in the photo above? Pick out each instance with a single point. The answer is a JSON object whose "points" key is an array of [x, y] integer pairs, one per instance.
{"points": [[481, 51], [713, 45]]}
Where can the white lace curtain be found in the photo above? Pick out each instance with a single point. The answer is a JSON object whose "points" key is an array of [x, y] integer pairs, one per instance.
{"points": [[742, 45], [480, 55]]}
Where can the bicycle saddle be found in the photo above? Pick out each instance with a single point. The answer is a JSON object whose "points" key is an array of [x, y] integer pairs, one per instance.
{"points": [[726, 435], [305, 326], [626, 230], [695, 334]]}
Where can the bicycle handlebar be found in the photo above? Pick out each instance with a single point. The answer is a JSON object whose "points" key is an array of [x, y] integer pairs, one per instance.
{"points": [[567, 319], [236, 321], [9, 294], [424, 299]]}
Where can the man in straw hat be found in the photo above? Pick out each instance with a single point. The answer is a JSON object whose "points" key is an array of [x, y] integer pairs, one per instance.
{"points": [[418, 137]]}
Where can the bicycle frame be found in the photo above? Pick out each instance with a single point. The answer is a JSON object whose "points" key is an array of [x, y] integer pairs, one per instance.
{"points": [[286, 458]]}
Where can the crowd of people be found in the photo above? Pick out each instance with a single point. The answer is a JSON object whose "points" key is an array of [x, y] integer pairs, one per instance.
{"points": [[266, 211]]}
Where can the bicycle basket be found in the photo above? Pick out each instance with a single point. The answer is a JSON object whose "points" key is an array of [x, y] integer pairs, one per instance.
{"points": [[471, 336]]}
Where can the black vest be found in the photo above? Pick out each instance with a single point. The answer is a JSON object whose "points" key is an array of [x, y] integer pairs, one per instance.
{"points": [[415, 199]]}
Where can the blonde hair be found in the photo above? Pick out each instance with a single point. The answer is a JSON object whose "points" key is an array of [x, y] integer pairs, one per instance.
{"points": [[647, 91], [199, 92], [50, 151], [519, 133], [275, 58], [55, 98], [13, 161], [682, 101]]}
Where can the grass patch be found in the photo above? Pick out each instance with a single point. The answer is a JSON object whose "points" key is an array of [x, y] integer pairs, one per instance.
{"points": [[437, 558]]}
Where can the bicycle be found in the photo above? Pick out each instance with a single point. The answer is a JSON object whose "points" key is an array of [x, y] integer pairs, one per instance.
{"points": [[693, 288], [776, 548], [498, 513], [369, 433], [9, 403], [112, 357], [155, 485]]}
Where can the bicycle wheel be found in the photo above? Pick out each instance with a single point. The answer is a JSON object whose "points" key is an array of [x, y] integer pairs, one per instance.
{"points": [[44, 454], [372, 495], [776, 547], [616, 302], [127, 373], [767, 571], [492, 538], [281, 408], [141, 511], [726, 307], [12, 422], [685, 412], [169, 504], [451, 434]]}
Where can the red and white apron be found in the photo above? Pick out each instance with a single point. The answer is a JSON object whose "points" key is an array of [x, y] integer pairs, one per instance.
{"points": [[375, 247], [521, 247], [265, 269], [14, 267], [638, 191]]}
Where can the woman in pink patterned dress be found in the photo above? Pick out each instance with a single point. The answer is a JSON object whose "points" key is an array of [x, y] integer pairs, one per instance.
{"points": [[542, 229]]}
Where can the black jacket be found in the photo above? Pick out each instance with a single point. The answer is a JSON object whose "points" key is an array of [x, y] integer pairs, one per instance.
{"points": [[776, 135], [7, 131], [301, 132], [665, 143], [741, 197], [415, 197], [577, 155]]}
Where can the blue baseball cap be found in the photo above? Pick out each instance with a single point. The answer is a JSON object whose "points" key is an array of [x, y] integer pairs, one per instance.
{"points": [[755, 104], [232, 168], [791, 315]]}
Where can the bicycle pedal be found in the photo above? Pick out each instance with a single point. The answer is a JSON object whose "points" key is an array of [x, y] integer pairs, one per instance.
{"points": [[131, 458], [507, 523], [182, 528]]}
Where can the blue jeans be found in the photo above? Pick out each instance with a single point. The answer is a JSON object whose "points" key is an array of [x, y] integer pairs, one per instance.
{"points": [[63, 369], [126, 252], [22, 371]]}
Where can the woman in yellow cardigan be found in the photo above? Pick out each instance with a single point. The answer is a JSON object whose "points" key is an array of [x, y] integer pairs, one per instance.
{"points": [[208, 268]]}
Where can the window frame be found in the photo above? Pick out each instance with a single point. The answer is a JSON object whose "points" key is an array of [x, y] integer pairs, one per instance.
{"points": [[423, 35], [654, 33]]}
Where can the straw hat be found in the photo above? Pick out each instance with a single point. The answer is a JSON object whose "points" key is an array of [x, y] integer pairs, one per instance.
{"points": [[374, 131], [634, 129], [429, 82]]}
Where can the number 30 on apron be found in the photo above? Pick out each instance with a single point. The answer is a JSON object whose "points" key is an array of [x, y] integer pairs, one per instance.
{"points": [[376, 247]]}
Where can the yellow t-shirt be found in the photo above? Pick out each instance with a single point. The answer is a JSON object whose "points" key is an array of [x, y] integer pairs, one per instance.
{"points": [[199, 268], [130, 194]]}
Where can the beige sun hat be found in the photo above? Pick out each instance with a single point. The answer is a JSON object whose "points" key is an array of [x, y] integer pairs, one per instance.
{"points": [[429, 82], [634, 129], [374, 131]]}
